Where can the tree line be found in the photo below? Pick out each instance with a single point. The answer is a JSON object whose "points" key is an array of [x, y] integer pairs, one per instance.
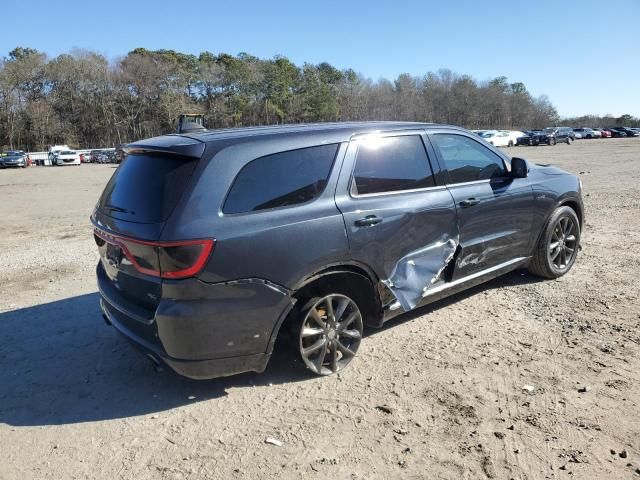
{"points": [[82, 99]]}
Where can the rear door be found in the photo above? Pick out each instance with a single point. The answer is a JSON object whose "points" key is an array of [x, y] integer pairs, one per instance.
{"points": [[495, 211], [400, 219]]}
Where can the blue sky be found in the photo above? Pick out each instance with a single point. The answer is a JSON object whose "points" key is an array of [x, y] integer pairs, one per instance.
{"points": [[585, 55]]}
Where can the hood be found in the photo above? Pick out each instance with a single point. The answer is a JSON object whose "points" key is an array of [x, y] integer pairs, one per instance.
{"points": [[547, 169]]}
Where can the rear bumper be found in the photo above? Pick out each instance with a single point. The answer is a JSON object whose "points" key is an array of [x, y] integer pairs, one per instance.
{"points": [[203, 330], [196, 369]]}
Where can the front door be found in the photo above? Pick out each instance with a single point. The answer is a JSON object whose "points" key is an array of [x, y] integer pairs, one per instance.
{"points": [[400, 221], [495, 211]]}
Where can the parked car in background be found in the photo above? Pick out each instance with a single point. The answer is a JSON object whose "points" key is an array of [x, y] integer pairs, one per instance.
{"points": [[524, 139], [629, 131], [586, 133], [13, 158], [120, 153], [93, 156], [500, 138], [606, 133], [552, 136], [54, 151], [67, 157], [617, 132], [515, 135], [577, 135], [211, 244]]}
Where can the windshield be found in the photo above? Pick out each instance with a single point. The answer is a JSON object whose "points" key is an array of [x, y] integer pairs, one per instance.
{"points": [[67, 152], [549, 130], [488, 135]]}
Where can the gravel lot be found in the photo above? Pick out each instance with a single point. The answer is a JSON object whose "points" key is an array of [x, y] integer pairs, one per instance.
{"points": [[436, 394]]}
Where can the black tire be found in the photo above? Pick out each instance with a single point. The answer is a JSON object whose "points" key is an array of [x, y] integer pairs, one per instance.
{"points": [[569, 140], [552, 141], [553, 262], [331, 343], [510, 144]]}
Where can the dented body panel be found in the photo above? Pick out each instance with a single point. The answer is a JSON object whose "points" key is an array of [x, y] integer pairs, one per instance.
{"points": [[416, 272], [497, 228]]}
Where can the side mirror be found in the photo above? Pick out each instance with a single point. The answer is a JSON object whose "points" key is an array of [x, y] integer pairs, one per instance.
{"points": [[519, 168]]}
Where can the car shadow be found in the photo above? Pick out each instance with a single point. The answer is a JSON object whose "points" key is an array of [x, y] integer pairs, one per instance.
{"points": [[61, 364]]}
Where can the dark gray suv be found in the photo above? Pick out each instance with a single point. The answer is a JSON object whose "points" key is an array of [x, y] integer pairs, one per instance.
{"points": [[212, 243]]}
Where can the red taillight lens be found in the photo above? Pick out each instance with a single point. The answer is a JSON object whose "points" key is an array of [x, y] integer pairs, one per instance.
{"points": [[183, 259], [171, 260]]}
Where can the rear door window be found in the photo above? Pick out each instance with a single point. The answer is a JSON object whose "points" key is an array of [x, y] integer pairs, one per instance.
{"points": [[282, 179], [146, 187], [390, 164], [467, 160]]}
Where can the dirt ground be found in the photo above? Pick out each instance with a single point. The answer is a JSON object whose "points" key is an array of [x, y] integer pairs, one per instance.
{"points": [[435, 394]]}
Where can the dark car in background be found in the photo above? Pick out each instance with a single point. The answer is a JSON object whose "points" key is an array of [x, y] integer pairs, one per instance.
{"points": [[630, 132], [617, 132], [13, 158], [552, 136], [526, 139], [314, 230]]}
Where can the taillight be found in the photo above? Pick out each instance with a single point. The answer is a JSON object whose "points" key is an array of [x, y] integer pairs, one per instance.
{"points": [[172, 260]]}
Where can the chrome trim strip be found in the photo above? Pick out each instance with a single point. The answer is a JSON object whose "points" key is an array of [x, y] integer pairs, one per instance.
{"points": [[473, 276], [396, 192], [474, 182]]}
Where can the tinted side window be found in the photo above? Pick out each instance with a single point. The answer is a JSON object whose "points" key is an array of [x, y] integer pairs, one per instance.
{"points": [[467, 160], [390, 164], [281, 179]]}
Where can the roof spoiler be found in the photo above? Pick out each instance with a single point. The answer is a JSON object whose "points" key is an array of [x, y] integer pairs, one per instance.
{"points": [[171, 144]]}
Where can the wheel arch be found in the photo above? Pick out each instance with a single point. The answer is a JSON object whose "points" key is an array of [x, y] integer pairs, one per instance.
{"points": [[345, 275], [575, 204], [570, 200], [321, 278]]}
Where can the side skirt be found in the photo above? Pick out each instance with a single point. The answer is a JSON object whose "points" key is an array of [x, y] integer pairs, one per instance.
{"points": [[446, 289]]}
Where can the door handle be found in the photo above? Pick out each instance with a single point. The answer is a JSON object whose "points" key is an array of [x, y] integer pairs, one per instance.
{"points": [[368, 221], [469, 202]]}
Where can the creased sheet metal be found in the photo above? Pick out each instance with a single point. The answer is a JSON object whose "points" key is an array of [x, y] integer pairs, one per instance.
{"points": [[416, 272]]}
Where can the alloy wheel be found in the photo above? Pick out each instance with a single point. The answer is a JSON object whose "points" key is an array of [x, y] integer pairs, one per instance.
{"points": [[564, 243], [331, 333]]}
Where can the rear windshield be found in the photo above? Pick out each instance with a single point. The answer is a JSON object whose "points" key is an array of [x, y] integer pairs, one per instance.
{"points": [[146, 187]]}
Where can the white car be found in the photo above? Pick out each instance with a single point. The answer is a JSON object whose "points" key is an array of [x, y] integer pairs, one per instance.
{"points": [[54, 151], [500, 138], [67, 157], [586, 133]]}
